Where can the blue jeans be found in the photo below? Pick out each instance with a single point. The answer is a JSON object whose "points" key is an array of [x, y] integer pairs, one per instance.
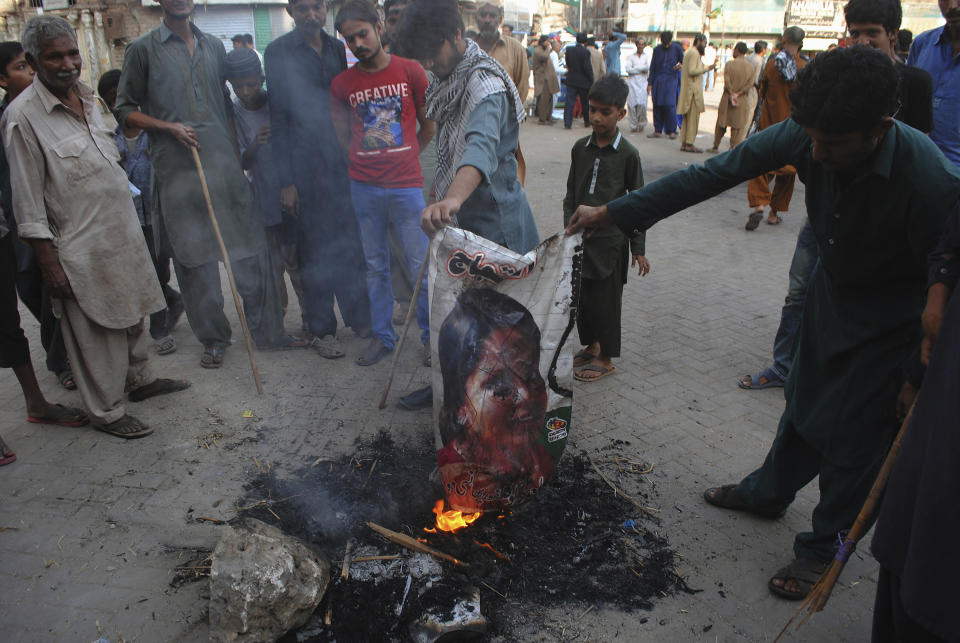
{"points": [[805, 258], [377, 208]]}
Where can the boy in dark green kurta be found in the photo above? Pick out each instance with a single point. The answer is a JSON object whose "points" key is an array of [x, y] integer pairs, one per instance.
{"points": [[603, 166]]}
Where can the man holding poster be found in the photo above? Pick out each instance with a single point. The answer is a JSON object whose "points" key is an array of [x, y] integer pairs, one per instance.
{"points": [[478, 113]]}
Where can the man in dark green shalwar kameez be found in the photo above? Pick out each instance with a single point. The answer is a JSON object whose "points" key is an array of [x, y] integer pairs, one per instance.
{"points": [[877, 193]]}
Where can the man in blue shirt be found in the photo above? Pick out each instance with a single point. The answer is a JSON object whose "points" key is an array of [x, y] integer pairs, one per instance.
{"points": [[664, 85], [611, 52], [938, 52]]}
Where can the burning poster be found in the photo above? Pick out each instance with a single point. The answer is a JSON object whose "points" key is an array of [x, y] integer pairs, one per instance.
{"points": [[501, 379]]}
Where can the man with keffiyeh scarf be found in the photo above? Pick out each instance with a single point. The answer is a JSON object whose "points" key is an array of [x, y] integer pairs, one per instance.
{"points": [[478, 113]]}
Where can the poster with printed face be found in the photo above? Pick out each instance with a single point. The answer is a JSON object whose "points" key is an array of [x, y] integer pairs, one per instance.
{"points": [[502, 371]]}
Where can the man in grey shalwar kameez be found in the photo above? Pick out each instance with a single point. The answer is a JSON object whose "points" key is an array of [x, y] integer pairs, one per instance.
{"points": [[172, 86], [73, 207]]}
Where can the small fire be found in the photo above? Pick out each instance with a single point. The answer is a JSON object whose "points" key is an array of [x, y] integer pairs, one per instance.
{"points": [[450, 520]]}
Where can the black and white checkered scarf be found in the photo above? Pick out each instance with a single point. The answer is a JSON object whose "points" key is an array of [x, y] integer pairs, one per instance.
{"points": [[451, 101]]}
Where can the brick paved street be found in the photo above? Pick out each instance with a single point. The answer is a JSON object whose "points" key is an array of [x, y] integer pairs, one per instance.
{"points": [[91, 519]]}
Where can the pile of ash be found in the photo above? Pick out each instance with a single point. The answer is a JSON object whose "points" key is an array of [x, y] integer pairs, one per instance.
{"points": [[575, 544]]}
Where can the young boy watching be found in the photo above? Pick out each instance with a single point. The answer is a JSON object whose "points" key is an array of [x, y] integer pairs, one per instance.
{"points": [[603, 165], [132, 146], [376, 106], [251, 121]]}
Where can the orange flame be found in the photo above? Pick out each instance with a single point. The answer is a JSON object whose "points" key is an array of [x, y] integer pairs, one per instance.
{"points": [[450, 520]]}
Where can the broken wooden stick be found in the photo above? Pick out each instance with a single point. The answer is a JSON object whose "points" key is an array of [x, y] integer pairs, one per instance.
{"points": [[345, 569], [623, 494], [414, 544], [369, 559], [369, 475]]}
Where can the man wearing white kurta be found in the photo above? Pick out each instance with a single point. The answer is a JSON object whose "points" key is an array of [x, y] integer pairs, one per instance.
{"points": [[638, 70], [73, 206]]}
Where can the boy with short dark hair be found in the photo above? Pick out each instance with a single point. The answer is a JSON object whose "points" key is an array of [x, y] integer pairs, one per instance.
{"points": [[603, 165], [132, 145], [251, 122]]}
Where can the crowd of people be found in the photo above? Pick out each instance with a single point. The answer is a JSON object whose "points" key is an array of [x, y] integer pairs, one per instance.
{"points": [[336, 177]]}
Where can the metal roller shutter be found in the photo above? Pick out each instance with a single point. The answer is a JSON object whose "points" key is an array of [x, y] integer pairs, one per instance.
{"points": [[224, 22]]}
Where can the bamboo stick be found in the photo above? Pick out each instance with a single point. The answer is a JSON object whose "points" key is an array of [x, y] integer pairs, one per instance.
{"points": [[406, 325], [817, 599]]}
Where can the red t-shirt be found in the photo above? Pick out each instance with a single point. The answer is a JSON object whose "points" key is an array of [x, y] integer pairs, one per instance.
{"points": [[382, 112]]}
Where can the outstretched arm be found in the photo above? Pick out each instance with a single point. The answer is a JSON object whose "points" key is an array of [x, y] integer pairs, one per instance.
{"points": [[783, 144]]}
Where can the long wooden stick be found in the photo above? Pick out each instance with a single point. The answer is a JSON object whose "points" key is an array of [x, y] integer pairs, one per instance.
{"points": [[817, 599], [413, 543], [406, 325], [226, 262]]}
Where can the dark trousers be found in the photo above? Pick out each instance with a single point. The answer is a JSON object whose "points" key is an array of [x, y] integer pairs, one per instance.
{"points": [[665, 119], [29, 281], [598, 315], [332, 267], [570, 101], [14, 349], [544, 103], [203, 300], [159, 327], [792, 463], [891, 623]]}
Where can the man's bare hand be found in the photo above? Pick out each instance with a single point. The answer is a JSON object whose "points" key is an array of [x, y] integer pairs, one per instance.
{"points": [[908, 393], [643, 266], [290, 200], [587, 217], [263, 135], [437, 215], [55, 280], [185, 134], [932, 318]]}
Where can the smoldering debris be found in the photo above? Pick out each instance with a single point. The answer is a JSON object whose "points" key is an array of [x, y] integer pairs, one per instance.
{"points": [[576, 544]]}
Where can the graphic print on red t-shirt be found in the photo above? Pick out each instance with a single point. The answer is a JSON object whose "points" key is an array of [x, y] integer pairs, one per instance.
{"points": [[381, 123], [381, 108]]}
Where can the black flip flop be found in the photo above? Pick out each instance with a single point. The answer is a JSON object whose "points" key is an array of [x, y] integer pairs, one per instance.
{"points": [[804, 571], [127, 427], [729, 497]]}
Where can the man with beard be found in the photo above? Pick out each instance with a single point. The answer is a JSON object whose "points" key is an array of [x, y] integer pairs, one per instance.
{"points": [[73, 207], [151, 96], [937, 52], [300, 66], [878, 194], [376, 107], [664, 83], [690, 104], [478, 114], [507, 51]]}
